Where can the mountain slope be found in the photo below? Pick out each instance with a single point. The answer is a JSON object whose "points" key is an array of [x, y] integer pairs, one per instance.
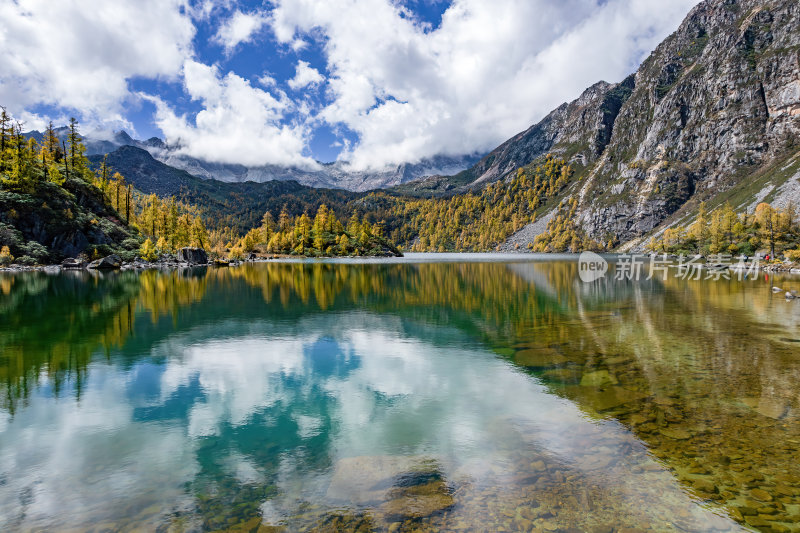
{"points": [[239, 205], [715, 103], [46, 222], [715, 107]]}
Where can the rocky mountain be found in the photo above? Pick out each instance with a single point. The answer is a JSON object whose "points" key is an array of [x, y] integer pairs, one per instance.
{"points": [[716, 104], [580, 130], [712, 114]]}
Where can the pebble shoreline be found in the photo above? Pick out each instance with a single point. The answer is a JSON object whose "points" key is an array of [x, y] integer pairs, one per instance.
{"points": [[783, 268]]}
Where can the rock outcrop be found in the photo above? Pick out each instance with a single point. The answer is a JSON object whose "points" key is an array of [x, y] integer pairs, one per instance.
{"points": [[195, 256], [579, 131], [110, 262], [53, 222], [716, 102]]}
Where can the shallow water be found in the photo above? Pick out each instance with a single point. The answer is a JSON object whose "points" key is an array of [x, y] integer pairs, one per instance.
{"points": [[455, 393]]}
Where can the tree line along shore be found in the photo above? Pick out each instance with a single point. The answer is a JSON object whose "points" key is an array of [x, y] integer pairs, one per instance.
{"points": [[55, 205]]}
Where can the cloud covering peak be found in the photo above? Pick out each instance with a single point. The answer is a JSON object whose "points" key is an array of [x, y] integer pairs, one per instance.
{"points": [[390, 83]]}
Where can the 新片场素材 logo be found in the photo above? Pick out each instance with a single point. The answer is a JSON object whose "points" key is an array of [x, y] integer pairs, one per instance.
{"points": [[591, 267]]}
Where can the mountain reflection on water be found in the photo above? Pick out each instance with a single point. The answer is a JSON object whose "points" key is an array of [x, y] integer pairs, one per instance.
{"points": [[486, 395]]}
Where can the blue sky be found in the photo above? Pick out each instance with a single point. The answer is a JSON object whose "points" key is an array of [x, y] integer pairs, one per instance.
{"points": [[290, 82]]}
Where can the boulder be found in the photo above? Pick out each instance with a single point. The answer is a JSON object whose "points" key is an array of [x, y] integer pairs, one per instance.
{"points": [[72, 263], [109, 262], [193, 255]]}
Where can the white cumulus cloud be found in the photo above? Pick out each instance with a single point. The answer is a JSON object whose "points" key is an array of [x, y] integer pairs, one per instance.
{"points": [[407, 90], [490, 70], [238, 123], [240, 28], [79, 55], [305, 75]]}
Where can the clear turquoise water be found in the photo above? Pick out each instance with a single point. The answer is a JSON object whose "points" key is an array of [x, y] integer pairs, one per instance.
{"points": [[477, 393]]}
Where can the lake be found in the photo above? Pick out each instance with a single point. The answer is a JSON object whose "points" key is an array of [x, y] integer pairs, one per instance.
{"points": [[430, 393]]}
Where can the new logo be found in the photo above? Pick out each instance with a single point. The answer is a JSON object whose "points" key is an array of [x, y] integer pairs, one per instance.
{"points": [[591, 267]]}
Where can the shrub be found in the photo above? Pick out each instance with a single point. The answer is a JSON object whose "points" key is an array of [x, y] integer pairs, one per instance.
{"points": [[127, 255], [101, 250], [35, 250], [792, 255], [131, 243], [9, 235], [27, 260]]}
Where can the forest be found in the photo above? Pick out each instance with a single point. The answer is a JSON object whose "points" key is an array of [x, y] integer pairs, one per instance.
{"points": [[480, 220], [55, 204], [324, 236], [726, 232]]}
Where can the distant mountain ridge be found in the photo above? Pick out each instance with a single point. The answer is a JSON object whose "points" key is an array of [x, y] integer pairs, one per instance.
{"points": [[329, 175]]}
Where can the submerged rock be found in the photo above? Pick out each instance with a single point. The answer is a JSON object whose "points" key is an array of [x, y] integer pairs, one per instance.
{"points": [[598, 378], [369, 479], [419, 501], [403, 487], [539, 357], [562, 375], [761, 495], [675, 433], [603, 399], [705, 485]]}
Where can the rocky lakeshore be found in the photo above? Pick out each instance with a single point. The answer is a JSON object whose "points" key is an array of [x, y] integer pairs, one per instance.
{"points": [[184, 258]]}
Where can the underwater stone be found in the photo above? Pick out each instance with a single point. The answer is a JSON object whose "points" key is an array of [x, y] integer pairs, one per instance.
{"points": [[705, 485], [675, 433], [598, 378], [419, 501], [602, 400], [368, 479], [760, 494], [539, 357]]}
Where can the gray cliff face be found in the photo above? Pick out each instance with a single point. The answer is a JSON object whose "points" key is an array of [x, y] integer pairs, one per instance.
{"points": [[716, 102], [579, 131], [713, 110]]}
